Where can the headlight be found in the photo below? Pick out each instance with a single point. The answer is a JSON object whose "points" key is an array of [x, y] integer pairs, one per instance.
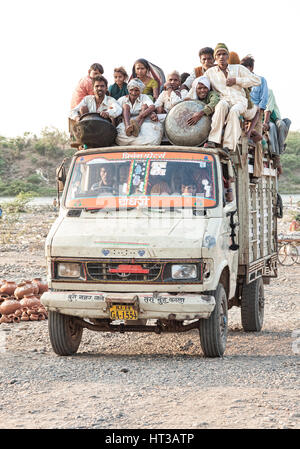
{"points": [[184, 271], [68, 270]]}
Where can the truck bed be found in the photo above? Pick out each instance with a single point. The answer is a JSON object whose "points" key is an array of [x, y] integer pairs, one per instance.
{"points": [[257, 216]]}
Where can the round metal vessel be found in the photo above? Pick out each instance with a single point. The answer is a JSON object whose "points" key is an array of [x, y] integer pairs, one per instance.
{"points": [[94, 131], [177, 129]]}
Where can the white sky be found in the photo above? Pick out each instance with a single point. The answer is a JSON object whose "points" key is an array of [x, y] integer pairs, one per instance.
{"points": [[47, 46]]}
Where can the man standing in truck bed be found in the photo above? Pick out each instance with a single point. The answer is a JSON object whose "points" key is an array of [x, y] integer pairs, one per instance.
{"points": [[229, 81]]}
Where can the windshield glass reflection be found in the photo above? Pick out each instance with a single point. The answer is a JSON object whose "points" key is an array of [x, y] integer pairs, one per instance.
{"points": [[107, 180]]}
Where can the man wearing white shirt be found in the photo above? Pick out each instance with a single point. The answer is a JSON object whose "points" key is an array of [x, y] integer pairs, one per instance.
{"points": [[229, 81], [170, 96], [107, 107]]}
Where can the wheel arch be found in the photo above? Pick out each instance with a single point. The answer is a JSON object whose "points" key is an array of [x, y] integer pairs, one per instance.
{"points": [[224, 279]]}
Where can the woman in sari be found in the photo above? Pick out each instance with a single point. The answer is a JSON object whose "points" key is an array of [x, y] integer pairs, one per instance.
{"points": [[152, 76]]}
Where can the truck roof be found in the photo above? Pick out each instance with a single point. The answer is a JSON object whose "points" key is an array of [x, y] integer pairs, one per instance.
{"points": [[148, 149]]}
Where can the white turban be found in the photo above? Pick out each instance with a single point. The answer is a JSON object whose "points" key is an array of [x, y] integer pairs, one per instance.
{"points": [[201, 79], [135, 82], [204, 80]]}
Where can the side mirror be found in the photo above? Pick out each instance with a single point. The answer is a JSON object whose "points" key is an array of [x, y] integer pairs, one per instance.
{"points": [[61, 177]]}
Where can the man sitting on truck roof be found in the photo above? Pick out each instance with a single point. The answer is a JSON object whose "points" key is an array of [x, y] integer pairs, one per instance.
{"points": [[107, 106], [278, 128], [201, 91], [170, 96], [207, 61], [229, 81], [259, 96]]}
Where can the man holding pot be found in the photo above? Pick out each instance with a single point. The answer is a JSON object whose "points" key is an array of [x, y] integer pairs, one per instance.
{"points": [[106, 106]]}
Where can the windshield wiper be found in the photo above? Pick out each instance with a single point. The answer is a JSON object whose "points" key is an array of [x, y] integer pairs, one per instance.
{"points": [[162, 210], [107, 209], [196, 212], [157, 209], [93, 210], [199, 212]]}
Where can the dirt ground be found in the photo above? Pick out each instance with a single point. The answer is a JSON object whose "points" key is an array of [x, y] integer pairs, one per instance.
{"points": [[147, 381]]}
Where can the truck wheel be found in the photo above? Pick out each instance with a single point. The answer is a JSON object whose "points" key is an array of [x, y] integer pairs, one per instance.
{"points": [[252, 306], [65, 334], [213, 331]]}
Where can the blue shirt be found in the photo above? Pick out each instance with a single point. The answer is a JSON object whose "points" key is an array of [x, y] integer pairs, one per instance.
{"points": [[259, 94]]}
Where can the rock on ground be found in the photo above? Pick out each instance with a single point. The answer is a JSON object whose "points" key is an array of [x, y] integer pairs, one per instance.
{"points": [[146, 381]]}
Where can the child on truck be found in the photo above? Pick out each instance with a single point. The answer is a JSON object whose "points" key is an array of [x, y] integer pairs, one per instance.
{"points": [[85, 85], [119, 88]]}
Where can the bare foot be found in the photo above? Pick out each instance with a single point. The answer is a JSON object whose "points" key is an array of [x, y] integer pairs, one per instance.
{"points": [[129, 130], [136, 128]]}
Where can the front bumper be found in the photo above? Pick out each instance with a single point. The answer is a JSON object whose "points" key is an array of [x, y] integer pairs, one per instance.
{"points": [[149, 305]]}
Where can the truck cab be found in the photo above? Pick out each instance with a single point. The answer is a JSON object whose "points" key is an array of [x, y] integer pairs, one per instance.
{"points": [[148, 240]]}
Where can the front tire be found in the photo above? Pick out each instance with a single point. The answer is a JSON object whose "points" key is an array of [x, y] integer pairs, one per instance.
{"points": [[252, 306], [65, 334], [213, 331]]}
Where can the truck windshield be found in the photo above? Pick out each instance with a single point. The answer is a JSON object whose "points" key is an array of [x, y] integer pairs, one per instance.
{"points": [[119, 180]]}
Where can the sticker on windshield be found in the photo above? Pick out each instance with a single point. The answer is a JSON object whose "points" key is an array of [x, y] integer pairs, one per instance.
{"points": [[138, 169], [158, 168], [138, 173], [136, 180]]}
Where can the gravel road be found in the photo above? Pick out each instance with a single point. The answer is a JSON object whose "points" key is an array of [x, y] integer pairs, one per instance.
{"points": [[147, 381]]}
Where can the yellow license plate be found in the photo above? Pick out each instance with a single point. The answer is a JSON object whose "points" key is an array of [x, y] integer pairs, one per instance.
{"points": [[123, 312]]}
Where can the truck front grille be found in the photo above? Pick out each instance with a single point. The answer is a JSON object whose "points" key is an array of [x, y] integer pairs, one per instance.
{"points": [[114, 271], [127, 271]]}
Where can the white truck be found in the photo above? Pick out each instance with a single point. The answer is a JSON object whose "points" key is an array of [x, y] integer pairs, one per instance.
{"points": [[147, 241]]}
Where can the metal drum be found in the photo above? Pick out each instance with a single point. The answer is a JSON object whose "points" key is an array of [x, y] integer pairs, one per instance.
{"points": [[94, 131], [179, 132]]}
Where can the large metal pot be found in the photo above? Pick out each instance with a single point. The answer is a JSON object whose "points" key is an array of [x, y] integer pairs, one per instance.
{"points": [[177, 129], [94, 131]]}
